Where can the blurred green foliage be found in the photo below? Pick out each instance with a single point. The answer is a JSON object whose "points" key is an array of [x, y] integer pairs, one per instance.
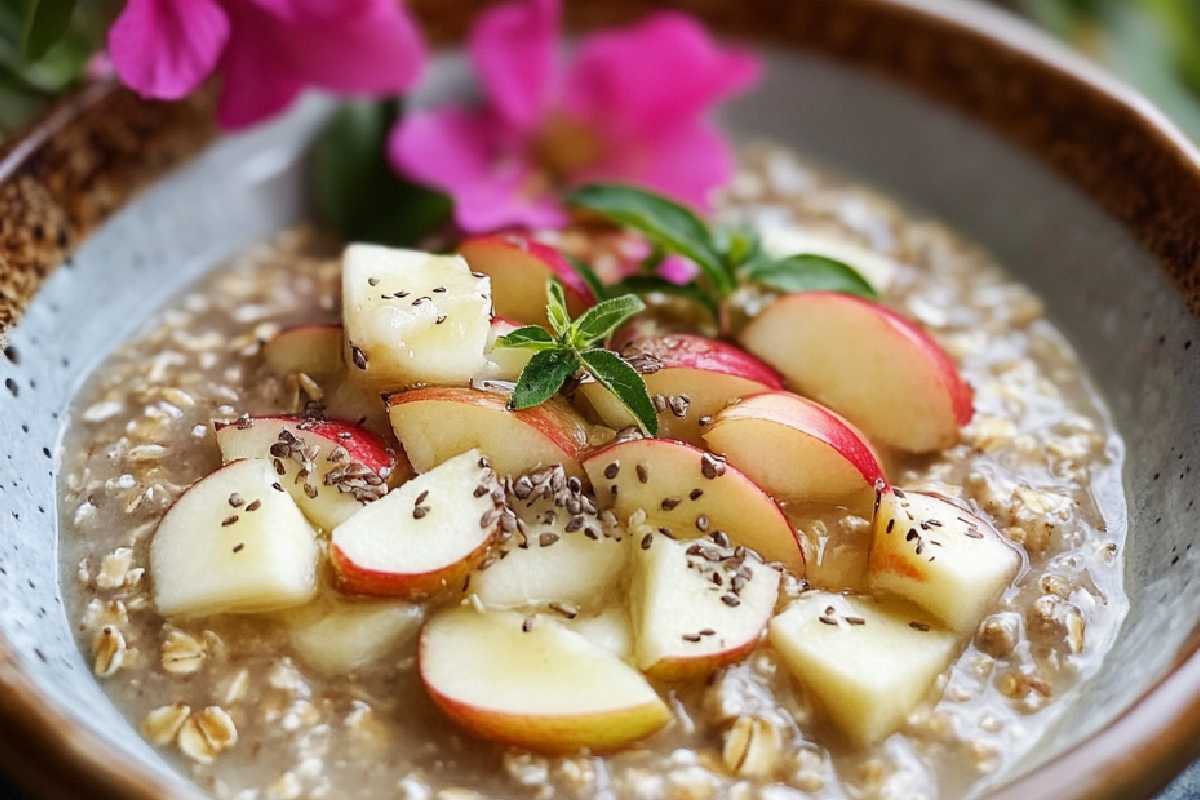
{"points": [[1153, 45], [45, 46]]}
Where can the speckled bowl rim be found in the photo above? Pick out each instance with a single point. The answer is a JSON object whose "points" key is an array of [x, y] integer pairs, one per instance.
{"points": [[1098, 135]]}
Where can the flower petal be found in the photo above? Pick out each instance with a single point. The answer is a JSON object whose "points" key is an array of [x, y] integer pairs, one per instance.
{"points": [[165, 48], [256, 82], [677, 269], [686, 162], [513, 50], [352, 46], [658, 74], [468, 154]]}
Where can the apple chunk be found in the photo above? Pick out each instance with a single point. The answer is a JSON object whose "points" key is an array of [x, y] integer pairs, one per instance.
{"points": [[531, 682], [697, 606], [504, 363], [867, 663], [518, 267], [691, 493], [560, 558], [795, 449], [422, 537], [694, 376], [437, 423], [867, 363], [233, 542], [315, 350], [319, 462], [337, 635], [412, 317], [940, 556]]}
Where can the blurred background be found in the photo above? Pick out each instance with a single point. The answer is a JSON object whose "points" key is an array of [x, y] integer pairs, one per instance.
{"points": [[1152, 44]]}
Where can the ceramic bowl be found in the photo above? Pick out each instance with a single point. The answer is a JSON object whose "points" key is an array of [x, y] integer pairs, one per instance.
{"points": [[1076, 184]]}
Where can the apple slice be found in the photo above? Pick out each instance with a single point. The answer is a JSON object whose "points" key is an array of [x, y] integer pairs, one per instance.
{"points": [[793, 448], [504, 363], [330, 468], [867, 363], [867, 663], [518, 267], [336, 635], [691, 493], [697, 606], [531, 682], [426, 535], [437, 423], [694, 376], [233, 542], [940, 556], [315, 350], [571, 560], [412, 317], [610, 629]]}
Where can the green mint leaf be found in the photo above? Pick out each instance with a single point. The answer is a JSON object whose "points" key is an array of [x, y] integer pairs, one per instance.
{"points": [[542, 377], [357, 191], [556, 307], [32, 27], [646, 284], [625, 383], [599, 291], [530, 337], [603, 318], [810, 273], [664, 222], [741, 246]]}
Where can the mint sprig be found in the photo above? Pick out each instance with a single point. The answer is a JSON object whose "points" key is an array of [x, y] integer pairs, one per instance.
{"points": [[726, 257], [579, 345]]}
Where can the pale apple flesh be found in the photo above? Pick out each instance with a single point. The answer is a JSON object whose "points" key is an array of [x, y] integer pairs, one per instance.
{"points": [[697, 606], [553, 561], [233, 543], [868, 364], [504, 363], [530, 682], [867, 663], [691, 494], [412, 317], [437, 423], [333, 456], [315, 350], [940, 556], [336, 634], [518, 267], [795, 449], [694, 376], [422, 538]]}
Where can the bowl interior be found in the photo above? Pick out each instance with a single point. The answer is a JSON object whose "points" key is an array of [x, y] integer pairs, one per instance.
{"points": [[1130, 326]]}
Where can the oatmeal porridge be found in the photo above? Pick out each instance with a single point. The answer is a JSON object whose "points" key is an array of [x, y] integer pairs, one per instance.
{"points": [[559, 605]]}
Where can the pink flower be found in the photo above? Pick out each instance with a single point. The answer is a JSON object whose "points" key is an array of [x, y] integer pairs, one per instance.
{"points": [[266, 50], [630, 107]]}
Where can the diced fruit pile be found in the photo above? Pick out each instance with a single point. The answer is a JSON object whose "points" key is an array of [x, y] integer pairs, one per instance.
{"points": [[555, 560]]}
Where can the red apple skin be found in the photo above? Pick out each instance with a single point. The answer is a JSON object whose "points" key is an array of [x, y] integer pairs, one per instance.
{"points": [[363, 446], [416, 586], [711, 373], [555, 737], [560, 426], [946, 371], [692, 351], [518, 267], [808, 418], [678, 670]]}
